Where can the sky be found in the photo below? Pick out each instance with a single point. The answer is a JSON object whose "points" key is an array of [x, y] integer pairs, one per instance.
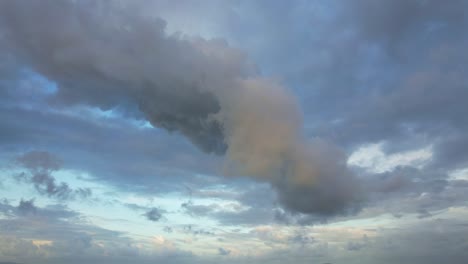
{"points": [[243, 131]]}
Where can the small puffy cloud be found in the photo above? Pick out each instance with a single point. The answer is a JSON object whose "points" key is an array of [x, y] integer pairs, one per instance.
{"points": [[154, 214]]}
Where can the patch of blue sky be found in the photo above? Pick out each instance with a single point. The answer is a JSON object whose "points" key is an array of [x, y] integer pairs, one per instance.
{"points": [[110, 116], [27, 89], [46, 85]]}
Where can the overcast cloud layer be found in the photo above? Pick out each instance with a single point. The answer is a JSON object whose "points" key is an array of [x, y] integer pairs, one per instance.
{"points": [[233, 132]]}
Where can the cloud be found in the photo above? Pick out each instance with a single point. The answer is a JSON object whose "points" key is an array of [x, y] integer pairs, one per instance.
{"points": [[378, 75], [14, 249], [66, 236], [428, 241], [40, 165], [409, 191], [223, 252], [198, 210], [397, 22], [27, 209], [39, 161], [88, 143], [154, 214], [108, 55]]}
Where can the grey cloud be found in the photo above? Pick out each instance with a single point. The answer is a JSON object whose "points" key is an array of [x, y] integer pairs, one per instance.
{"points": [[40, 161], [45, 184], [84, 144], [399, 21], [40, 165], [72, 240], [151, 213], [390, 72], [451, 151], [424, 241], [109, 55], [255, 204], [154, 214], [184, 108], [423, 100], [429, 241], [333, 188], [368, 71], [409, 191], [27, 209], [385, 71], [198, 210]]}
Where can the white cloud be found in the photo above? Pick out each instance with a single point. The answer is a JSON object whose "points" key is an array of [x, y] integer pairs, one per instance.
{"points": [[373, 159]]}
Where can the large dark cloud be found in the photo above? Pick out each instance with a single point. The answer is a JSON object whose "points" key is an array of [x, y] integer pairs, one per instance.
{"points": [[72, 49], [111, 55]]}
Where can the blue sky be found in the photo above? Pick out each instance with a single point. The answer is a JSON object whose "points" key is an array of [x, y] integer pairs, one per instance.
{"points": [[233, 132]]}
